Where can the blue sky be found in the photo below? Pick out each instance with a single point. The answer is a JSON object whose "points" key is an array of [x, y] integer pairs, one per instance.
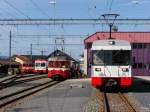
{"points": [[63, 9]]}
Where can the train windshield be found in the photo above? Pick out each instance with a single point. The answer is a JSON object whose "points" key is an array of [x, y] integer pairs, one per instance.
{"points": [[43, 64], [37, 64], [111, 57]]}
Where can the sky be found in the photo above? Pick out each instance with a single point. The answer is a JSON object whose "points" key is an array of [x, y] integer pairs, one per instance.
{"points": [[23, 36]]}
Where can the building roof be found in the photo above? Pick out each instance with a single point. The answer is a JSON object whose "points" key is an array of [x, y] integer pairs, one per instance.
{"points": [[133, 37], [8, 62], [27, 58], [60, 53], [23, 58]]}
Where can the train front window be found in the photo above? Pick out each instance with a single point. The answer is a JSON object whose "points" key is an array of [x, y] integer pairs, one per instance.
{"points": [[98, 57], [43, 64], [111, 57], [37, 64], [121, 57]]}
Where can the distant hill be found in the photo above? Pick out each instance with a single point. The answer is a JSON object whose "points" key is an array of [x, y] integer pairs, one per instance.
{"points": [[4, 57]]}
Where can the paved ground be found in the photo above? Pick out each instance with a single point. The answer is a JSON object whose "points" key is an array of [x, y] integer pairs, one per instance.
{"points": [[141, 90], [73, 96], [69, 96]]}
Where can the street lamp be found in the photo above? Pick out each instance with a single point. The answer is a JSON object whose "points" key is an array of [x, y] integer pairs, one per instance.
{"points": [[110, 19]]}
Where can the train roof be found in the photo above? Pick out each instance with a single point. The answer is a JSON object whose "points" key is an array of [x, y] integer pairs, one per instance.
{"points": [[111, 44], [60, 54]]}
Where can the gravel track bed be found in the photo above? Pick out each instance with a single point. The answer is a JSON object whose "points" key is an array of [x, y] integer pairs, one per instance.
{"points": [[94, 103], [135, 102]]}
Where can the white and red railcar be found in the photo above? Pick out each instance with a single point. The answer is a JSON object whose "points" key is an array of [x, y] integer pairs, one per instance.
{"points": [[111, 63], [59, 68], [40, 66]]}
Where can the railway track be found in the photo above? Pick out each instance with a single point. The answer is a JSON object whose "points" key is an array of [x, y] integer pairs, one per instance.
{"points": [[116, 102], [8, 100], [18, 80]]}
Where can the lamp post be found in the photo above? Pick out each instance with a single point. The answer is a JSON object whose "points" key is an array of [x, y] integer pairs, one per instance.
{"points": [[110, 19]]}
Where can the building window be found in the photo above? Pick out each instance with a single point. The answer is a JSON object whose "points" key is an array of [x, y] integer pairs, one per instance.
{"points": [[134, 59], [134, 46], [141, 65], [140, 46], [148, 45], [89, 45], [134, 65], [144, 45]]}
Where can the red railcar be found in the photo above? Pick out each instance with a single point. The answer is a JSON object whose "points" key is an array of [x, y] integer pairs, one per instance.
{"points": [[27, 68], [59, 69]]}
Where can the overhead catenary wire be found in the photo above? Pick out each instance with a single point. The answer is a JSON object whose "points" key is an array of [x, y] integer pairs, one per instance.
{"points": [[19, 11], [35, 4]]}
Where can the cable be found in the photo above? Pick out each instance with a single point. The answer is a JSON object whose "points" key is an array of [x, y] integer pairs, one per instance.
{"points": [[16, 9], [32, 1]]}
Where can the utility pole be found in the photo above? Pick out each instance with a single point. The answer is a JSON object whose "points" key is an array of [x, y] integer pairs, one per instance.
{"points": [[42, 53], [31, 51], [10, 45], [10, 39]]}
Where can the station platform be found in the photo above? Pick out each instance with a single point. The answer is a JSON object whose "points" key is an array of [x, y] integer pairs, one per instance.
{"points": [[144, 78], [68, 96]]}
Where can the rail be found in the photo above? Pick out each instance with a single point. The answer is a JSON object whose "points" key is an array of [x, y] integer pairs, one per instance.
{"points": [[12, 98], [18, 80], [122, 102]]}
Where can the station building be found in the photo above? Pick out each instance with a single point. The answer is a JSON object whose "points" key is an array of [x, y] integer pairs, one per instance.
{"points": [[140, 42]]}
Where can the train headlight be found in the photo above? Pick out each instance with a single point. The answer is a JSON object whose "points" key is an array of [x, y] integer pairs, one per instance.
{"points": [[125, 69], [111, 42], [97, 69]]}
